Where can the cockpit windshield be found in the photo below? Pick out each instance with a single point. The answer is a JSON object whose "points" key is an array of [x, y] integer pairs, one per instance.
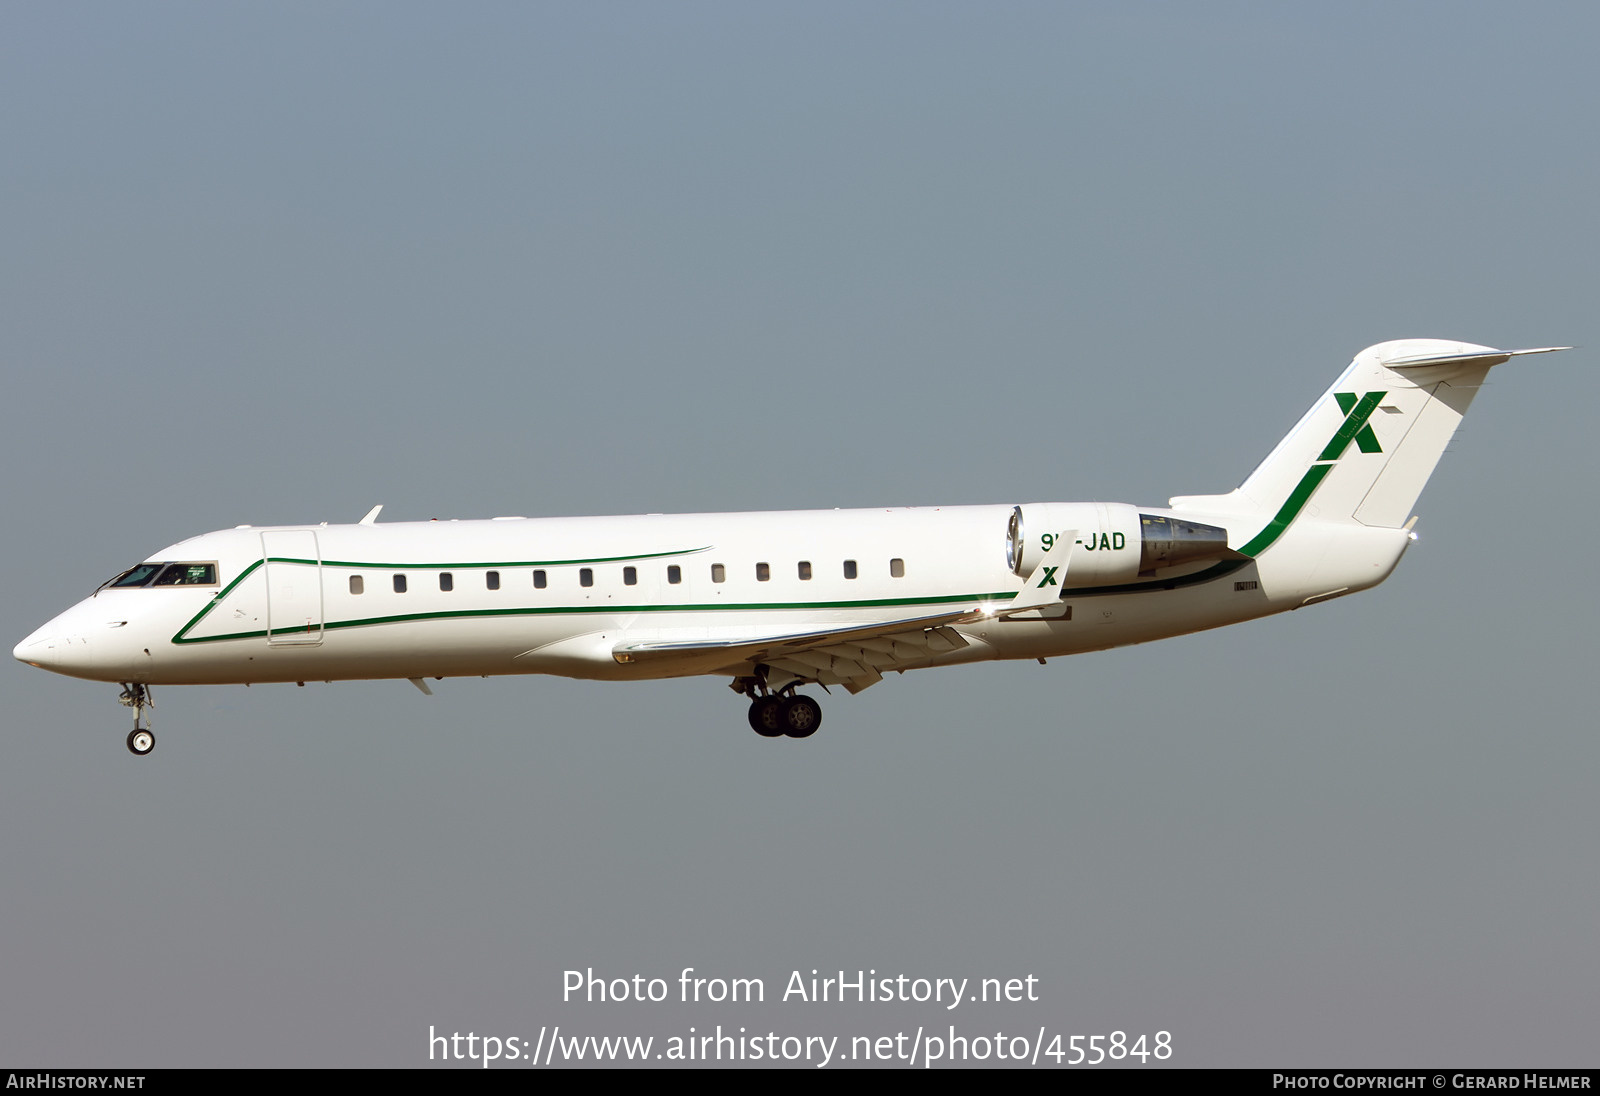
{"points": [[165, 574], [136, 576]]}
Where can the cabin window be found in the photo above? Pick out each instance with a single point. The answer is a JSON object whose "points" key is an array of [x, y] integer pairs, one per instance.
{"points": [[491, 579], [539, 581], [719, 573], [849, 568], [585, 576], [358, 585], [447, 581], [763, 572], [399, 584], [674, 574], [805, 570], [630, 576], [187, 574], [897, 568]]}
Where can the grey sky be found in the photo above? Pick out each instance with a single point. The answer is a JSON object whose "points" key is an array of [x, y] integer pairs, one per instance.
{"points": [[277, 263]]}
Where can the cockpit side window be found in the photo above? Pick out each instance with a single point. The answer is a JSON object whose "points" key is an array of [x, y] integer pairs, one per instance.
{"points": [[187, 574]]}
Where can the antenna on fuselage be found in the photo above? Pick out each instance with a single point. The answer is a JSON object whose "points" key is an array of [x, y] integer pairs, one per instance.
{"points": [[372, 516]]}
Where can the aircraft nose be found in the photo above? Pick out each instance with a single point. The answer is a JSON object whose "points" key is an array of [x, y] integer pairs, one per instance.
{"points": [[81, 642], [59, 653]]}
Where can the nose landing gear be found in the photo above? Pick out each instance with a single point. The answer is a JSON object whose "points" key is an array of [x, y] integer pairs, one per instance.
{"points": [[141, 740]]}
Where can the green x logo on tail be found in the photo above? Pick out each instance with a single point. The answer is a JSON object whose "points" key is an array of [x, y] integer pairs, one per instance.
{"points": [[1365, 438]]}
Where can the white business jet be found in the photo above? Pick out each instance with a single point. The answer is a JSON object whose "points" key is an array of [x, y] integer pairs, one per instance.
{"points": [[784, 599]]}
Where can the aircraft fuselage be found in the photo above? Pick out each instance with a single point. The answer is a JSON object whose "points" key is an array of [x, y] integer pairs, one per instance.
{"points": [[776, 600]]}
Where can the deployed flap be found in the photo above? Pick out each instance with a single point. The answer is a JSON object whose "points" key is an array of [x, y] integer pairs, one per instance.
{"points": [[765, 648], [856, 656], [1043, 587], [858, 663]]}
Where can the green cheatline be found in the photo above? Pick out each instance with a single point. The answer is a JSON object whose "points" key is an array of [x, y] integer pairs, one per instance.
{"points": [[1354, 428], [486, 566], [576, 610], [1215, 571]]}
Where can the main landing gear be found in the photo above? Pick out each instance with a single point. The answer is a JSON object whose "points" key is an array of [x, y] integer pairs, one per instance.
{"points": [[775, 714], [795, 715], [141, 740]]}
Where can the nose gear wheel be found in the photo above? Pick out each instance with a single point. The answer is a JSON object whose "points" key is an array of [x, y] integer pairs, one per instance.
{"points": [[141, 740]]}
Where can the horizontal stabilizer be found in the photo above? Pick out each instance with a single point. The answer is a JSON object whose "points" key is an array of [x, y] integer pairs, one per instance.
{"points": [[1417, 361]]}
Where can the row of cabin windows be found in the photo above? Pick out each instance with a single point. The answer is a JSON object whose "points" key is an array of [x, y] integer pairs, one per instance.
{"points": [[630, 576]]}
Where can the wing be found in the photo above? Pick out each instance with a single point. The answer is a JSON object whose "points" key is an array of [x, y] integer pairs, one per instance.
{"points": [[854, 656]]}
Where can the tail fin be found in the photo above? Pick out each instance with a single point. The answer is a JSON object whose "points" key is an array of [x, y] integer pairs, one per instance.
{"points": [[1366, 448]]}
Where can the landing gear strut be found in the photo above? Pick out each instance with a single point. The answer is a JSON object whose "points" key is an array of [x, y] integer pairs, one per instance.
{"points": [[141, 740], [785, 712]]}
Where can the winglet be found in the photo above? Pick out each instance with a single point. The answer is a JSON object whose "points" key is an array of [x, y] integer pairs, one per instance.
{"points": [[372, 516], [1043, 587], [1425, 362]]}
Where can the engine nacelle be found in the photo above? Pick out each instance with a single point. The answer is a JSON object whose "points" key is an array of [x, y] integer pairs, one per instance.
{"points": [[1116, 543], [1107, 535]]}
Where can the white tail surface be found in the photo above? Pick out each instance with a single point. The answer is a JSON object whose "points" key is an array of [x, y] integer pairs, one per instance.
{"points": [[1365, 449]]}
